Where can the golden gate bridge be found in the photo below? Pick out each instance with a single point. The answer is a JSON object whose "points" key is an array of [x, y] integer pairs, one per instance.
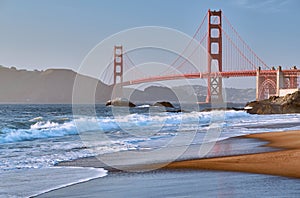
{"points": [[228, 56]]}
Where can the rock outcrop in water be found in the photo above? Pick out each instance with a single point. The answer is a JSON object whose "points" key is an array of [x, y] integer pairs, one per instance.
{"points": [[163, 104], [120, 102], [168, 107], [276, 105]]}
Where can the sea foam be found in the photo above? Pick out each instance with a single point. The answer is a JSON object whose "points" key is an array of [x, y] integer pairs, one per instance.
{"points": [[150, 122]]}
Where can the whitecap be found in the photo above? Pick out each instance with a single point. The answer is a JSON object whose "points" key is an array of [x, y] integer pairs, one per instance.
{"points": [[36, 119]]}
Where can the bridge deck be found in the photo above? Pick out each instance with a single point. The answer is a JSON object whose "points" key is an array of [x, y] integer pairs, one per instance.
{"points": [[230, 74]]}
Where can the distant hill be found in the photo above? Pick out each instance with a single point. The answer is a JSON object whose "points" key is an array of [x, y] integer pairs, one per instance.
{"points": [[150, 94], [155, 93], [50, 86], [230, 94]]}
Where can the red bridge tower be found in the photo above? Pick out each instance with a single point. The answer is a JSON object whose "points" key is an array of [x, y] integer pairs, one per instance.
{"points": [[214, 47], [118, 72]]}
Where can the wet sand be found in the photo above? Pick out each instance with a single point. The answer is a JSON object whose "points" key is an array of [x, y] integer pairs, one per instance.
{"points": [[285, 162], [130, 161], [181, 184]]}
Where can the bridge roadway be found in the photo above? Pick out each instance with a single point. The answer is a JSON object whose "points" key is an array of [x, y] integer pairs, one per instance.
{"points": [[228, 74]]}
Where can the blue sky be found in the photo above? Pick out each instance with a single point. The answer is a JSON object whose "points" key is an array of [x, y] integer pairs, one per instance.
{"points": [[41, 34]]}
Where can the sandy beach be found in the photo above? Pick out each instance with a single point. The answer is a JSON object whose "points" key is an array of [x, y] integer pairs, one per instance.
{"points": [[285, 162]]}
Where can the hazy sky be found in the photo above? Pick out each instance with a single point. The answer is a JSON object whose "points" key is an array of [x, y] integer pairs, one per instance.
{"points": [[41, 34]]}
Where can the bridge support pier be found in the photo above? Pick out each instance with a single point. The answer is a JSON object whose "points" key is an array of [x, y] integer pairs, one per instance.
{"points": [[280, 84], [293, 83], [266, 84], [270, 83], [258, 83]]}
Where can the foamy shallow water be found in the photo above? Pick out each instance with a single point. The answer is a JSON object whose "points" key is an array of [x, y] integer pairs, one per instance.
{"points": [[31, 182], [43, 141]]}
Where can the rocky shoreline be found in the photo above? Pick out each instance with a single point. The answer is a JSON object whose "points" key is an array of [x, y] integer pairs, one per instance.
{"points": [[276, 105]]}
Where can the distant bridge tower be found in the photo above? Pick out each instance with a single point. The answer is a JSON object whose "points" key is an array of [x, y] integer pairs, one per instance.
{"points": [[214, 47], [118, 71]]}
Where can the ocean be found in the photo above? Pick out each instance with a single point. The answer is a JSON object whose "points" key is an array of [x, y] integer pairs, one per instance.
{"points": [[34, 138]]}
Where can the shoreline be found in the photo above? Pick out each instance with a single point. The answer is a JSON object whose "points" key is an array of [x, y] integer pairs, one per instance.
{"points": [[285, 162], [126, 161]]}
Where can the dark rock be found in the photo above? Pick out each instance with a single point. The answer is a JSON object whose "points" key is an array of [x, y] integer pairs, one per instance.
{"points": [[168, 107], [222, 109], [276, 105], [120, 102], [175, 110], [163, 104]]}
